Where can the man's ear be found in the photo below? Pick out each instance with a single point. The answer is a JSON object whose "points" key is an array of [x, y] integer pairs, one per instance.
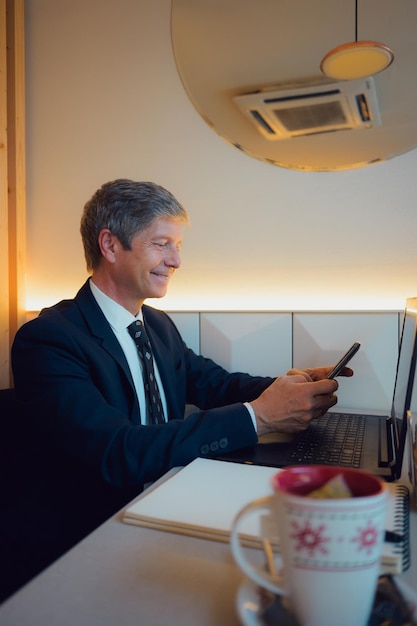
{"points": [[108, 245]]}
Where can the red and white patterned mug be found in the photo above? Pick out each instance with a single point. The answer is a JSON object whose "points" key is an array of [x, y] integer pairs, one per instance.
{"points": [[330, 549]]}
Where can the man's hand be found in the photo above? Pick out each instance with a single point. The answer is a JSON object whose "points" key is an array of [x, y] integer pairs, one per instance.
{"points": [[319, 373], [292, 401]]}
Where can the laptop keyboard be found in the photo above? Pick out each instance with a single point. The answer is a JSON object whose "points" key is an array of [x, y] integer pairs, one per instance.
{"points": [[333, 439]]}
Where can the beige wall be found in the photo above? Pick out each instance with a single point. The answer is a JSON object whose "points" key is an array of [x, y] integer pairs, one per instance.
{"points": [[104, 100]]}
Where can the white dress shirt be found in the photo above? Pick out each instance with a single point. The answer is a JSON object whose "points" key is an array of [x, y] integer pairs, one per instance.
{"points": [[119, 319]]}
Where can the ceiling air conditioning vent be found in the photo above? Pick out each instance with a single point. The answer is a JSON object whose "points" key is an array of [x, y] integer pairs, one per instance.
{"points": [[300, 110]]}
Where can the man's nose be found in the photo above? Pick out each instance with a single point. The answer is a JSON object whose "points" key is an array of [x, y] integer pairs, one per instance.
{"points": [[174, 259]]}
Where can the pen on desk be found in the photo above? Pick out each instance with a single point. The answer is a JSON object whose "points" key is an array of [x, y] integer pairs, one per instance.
{"points": [[392, 537]]}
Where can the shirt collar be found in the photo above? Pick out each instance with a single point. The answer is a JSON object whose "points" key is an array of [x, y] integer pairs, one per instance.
{"points": [[118, 317]]}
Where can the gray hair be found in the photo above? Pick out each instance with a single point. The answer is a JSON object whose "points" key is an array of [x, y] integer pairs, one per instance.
{"points": [[124, 207]]}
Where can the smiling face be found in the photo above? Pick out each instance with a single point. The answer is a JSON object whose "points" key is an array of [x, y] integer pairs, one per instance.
{"points": [[144, 271]]}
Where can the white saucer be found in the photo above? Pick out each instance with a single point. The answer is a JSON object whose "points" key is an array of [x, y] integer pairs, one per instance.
{"points": [[253, 602], [248, 602]]}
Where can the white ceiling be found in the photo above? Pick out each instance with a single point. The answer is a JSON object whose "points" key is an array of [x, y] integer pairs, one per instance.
{"points": [[226, 47]]}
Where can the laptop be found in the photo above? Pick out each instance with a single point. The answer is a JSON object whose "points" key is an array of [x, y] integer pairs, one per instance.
{"points": [[374, 443]]}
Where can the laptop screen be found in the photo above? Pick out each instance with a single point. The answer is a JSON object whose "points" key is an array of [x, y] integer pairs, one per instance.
{"points": [[404, 379]]}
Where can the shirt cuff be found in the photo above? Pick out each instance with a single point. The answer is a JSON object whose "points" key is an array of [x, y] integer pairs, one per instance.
{"points": [[252, 414]]}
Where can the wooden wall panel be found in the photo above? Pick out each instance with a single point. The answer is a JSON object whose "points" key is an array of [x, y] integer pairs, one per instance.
{"points": [[4, 259], [12, 179]]}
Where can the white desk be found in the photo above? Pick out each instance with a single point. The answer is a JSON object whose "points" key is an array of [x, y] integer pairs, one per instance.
{"points": [[124, 575]]}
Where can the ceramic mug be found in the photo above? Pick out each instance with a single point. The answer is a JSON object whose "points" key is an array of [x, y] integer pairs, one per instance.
{"points": [[330, 549]]}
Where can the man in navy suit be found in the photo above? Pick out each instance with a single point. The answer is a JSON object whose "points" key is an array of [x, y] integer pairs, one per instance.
{"points": [[78, 378]]}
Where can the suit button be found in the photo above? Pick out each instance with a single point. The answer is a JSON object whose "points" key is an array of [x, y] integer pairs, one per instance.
{"points": [[205, 449], [224, 442], [214, 446]]}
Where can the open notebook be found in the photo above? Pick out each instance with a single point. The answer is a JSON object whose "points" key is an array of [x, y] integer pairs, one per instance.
{"points": [[203, 498], [374, 443]]}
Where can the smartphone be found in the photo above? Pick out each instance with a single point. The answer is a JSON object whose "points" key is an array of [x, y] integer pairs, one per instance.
{"points": [[344, 360]]}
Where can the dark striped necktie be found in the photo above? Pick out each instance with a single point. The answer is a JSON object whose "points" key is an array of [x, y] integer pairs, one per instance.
{"points": [[154, 409]]}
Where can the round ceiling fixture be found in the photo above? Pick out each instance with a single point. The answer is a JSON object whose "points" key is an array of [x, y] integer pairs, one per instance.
{"points": [[357, 59]]}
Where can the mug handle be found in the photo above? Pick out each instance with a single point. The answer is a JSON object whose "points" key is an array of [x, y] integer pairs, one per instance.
{"points": [[260, 576]]}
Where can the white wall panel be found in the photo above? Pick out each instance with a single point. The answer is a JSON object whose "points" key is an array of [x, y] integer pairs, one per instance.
{"points": [[322, 338], [188, 325], [257, 343]]}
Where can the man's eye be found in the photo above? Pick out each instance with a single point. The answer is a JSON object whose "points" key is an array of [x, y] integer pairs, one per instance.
{"points": [[166, 244]]}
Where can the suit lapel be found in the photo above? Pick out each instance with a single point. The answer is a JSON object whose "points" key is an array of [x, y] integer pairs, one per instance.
{"points": [[100, 329]]}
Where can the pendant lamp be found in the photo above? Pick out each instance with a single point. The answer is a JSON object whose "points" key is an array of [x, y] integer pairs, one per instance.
{"points": [[356, 59]]}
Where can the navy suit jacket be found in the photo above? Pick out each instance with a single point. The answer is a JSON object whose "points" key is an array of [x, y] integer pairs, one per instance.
{"points": [[81, 409]]}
